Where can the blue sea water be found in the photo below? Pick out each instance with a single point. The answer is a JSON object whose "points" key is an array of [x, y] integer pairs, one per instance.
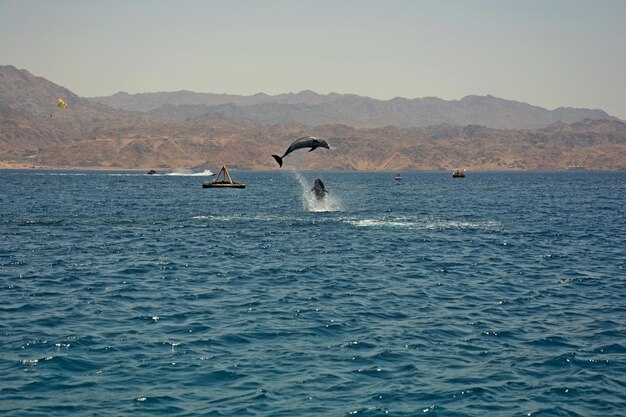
{"points": [[501, 294]]}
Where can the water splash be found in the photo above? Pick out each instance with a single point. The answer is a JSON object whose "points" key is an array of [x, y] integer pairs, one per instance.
{"points": [[190, 173], [310, 202], [420, 222]]}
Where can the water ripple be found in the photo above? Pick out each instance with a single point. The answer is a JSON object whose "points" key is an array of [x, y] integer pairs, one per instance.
{"points": [[126, 294]]}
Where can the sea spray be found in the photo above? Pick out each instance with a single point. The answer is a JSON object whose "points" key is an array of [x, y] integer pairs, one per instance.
{"points": [[310, 202], [190, 173]]}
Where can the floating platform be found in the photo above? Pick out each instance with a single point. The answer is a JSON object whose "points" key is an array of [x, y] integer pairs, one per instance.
{"points": [[225, 182]]}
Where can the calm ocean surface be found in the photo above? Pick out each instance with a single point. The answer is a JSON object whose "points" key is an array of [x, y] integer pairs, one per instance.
{"points": [[502, 294]]}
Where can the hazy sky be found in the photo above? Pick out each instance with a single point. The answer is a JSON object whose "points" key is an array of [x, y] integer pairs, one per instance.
{"points": [[549, 53]]}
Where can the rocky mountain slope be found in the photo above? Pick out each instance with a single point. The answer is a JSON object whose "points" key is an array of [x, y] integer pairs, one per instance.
{"points": [[95, 135]]}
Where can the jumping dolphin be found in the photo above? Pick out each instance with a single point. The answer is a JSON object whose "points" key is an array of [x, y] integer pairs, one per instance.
{"points": [[318, 189], [305, 142]]}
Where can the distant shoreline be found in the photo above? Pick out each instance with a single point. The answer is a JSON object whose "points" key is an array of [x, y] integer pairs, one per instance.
{"points": [[4, 165], [25, 167]]}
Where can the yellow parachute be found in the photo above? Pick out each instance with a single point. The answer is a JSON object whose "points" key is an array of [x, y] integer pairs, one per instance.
{"points": [[61, 104]]}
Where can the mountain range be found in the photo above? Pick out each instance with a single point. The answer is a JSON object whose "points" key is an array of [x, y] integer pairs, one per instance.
{"points": [[197, 130], [312, 109]]}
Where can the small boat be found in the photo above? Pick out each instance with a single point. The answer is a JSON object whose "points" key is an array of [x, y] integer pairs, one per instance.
{"points": [[152, 172], [459, 173], [225, 182], [398, 177]]}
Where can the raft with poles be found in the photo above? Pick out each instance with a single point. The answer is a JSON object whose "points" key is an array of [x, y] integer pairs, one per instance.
{"points": [[225, 182]]}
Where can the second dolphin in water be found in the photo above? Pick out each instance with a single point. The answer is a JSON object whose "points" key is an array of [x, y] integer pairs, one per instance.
{"points": [[305, 142], [319, 189]]}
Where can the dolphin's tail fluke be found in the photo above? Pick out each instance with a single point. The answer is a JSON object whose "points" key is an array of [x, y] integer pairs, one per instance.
{"points": [[278, 159]]}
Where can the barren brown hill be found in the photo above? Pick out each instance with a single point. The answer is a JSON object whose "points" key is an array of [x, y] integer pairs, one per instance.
{"points": [[94, 135]]}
